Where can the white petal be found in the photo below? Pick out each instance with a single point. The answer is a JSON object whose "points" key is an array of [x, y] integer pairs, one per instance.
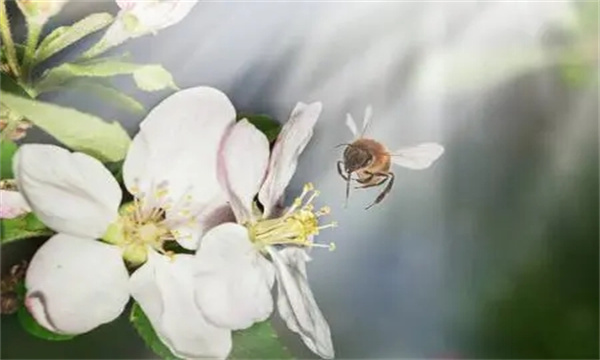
{"points": [[12, 204], [233, 281], [292, 140], [243, 161], [76, 284], [367, 119], [159, 15], [71, 193], [188, 231], [296, 303], [178, 144], [164, 289], [418, 157], [351, 124]]}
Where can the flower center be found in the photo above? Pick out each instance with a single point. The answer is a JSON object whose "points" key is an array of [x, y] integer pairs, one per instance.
{"points": [[297, 226], [143, 224]]}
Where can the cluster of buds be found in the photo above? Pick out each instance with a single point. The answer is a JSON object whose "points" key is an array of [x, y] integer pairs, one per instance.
{"points": [[11, 127]]}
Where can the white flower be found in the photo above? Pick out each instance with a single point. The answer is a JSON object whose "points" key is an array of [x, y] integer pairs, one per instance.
{"points": [[153, 15], [141, 17], [75, 283], [12, 203], [239, 262]]}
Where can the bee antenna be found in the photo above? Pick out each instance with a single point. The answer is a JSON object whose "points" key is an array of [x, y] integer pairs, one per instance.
{"points": [[344, 144]]}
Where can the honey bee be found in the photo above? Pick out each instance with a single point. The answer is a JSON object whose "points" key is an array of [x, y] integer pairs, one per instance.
{"points": [[371, 161]]}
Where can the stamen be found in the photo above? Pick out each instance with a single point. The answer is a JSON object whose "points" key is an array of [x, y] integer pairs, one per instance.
{"points": [[313, 196], [296, 227], [332, 224], [325, 210]]}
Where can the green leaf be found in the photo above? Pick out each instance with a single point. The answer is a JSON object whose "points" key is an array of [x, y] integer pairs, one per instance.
{"points": [[153, 78], [108, 93], [258, 342], [30, 325], [146, 331], [264, 123], [23, 227], [64, 36], [146, 77], [7, 151], [77, 130], [116, 169], [8, 84]]}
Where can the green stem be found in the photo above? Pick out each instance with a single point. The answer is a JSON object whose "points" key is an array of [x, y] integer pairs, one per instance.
{"points": [[33, 35], [9, 46]]}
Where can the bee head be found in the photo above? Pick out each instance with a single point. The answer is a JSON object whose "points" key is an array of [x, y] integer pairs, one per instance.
{"points": [[356, 158]]}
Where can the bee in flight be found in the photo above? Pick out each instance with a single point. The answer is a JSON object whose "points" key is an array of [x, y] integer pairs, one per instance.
{"points": [[371, 161]]}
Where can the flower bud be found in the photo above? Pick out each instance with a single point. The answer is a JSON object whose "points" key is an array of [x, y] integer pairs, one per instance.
{"points": [[39, 11]]}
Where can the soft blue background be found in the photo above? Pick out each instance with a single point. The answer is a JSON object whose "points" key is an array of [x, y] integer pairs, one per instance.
{"points": [[493, 252]]}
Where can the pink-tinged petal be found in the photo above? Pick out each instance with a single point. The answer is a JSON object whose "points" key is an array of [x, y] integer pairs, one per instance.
{"points": [[126, 4], [296, 303], [233, 281], [12, 204], [292, 140], [76, 284], [177, 145], [71, 193], [164, 289], [189, 227], [243, 161]]}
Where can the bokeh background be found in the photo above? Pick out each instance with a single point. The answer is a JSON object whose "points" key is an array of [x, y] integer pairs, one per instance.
{"points": [[492, 252]]}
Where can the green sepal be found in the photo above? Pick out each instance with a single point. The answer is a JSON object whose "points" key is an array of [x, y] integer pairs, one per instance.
{"points": [[264, 123]]}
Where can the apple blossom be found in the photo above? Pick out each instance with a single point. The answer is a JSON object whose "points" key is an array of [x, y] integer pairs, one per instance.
{"points": [[76, 283], [238, 263]]}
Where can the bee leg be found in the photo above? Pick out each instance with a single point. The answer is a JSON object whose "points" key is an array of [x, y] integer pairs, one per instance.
{"points": [[388, 176], [366, 185], [341, 171]]}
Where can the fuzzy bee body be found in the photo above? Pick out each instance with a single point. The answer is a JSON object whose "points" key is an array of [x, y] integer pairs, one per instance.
{"points": [[370, 161]]}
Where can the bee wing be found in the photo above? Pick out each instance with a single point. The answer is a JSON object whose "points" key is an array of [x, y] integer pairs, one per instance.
{"points": [[367, 119], [351, 125], [418, 157]]}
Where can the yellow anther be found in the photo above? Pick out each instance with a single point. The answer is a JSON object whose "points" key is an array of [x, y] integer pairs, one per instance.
{"points": [[134, 190], [185, 213], [332, 246], [161, 193], [297, 227], [308, 187], [325, 210]]}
